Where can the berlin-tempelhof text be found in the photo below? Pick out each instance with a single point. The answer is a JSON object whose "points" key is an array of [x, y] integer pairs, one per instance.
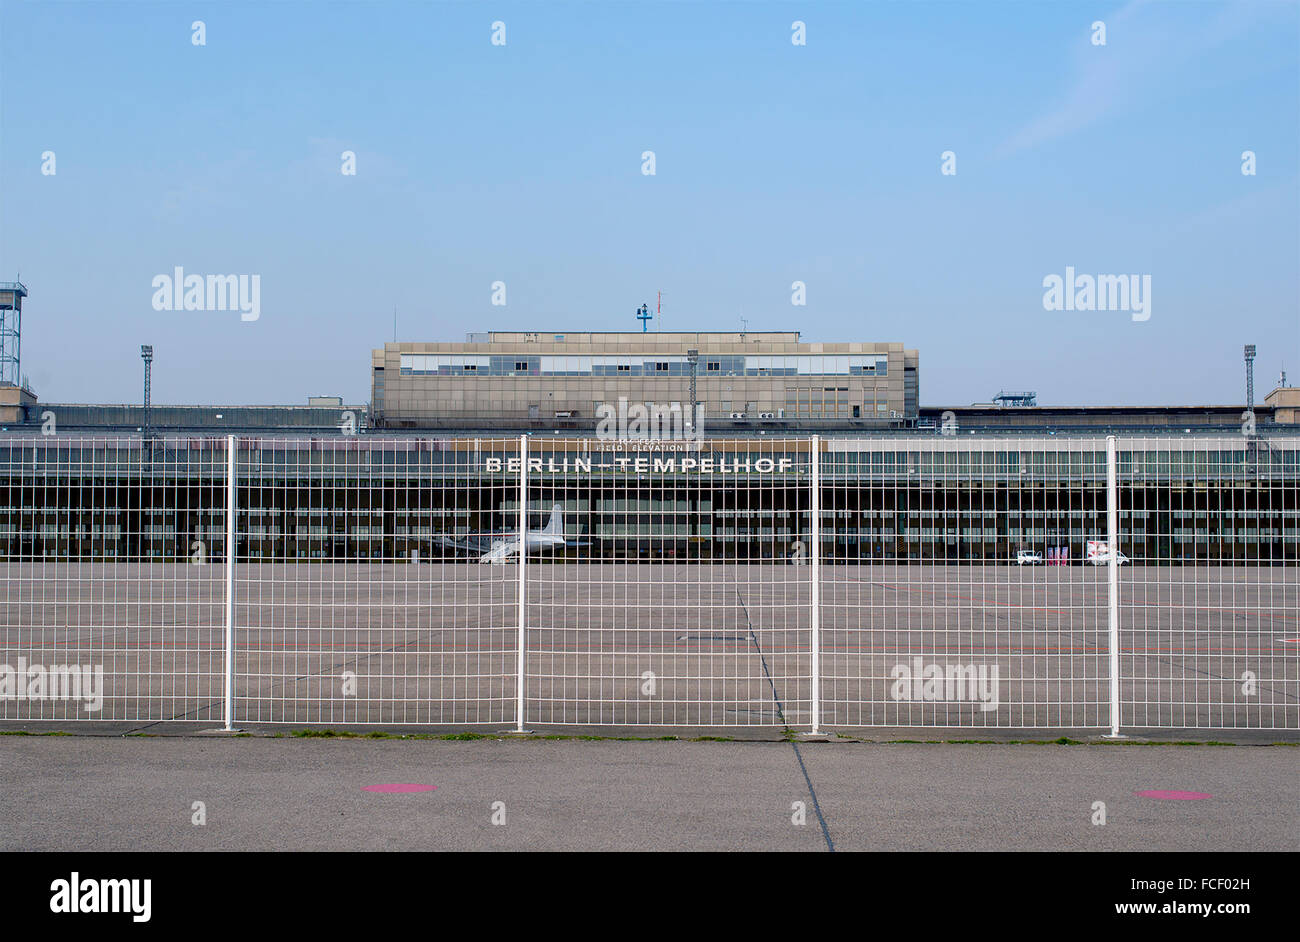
{"points": [[646, 464]]}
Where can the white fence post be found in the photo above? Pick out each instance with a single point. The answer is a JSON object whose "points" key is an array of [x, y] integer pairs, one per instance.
{"points": [[523, 562], [231, 509], [1112, 580], [816, 583]]}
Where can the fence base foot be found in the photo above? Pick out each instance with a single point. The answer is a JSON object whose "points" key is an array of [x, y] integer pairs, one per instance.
{"points": [[515, 732], [221, 731], [1114, 736], [813, 737]]}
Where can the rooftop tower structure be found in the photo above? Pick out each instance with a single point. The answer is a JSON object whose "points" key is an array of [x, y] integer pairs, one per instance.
{"points": [[11, 332]]}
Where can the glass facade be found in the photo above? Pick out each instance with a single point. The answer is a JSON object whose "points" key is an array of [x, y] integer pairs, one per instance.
{"points": [[378, 498]]}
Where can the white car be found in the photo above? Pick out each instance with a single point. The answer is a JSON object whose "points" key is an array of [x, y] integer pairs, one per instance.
{"points": [[1102, 558], [1028, 558]]}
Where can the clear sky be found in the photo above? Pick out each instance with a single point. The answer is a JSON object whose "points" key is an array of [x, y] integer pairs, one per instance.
{"points": [[774, 163]]}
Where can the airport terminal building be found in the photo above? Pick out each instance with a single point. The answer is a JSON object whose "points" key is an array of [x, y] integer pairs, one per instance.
{"points": [[437, 457], [565, 377], [938, 499]]}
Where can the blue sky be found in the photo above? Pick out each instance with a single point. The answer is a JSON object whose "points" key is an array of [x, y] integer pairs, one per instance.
{"points": [[774, 163]]}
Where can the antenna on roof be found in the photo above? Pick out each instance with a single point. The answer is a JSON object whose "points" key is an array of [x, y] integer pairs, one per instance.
{"points": [[744, 327]]}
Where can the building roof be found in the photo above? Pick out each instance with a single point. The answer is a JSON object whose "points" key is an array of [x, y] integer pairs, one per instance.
{"points": [[206, 419]]}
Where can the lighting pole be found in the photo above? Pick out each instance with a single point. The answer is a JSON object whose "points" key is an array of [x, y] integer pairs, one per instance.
{"points": [[146, 354], [1250, 377]]}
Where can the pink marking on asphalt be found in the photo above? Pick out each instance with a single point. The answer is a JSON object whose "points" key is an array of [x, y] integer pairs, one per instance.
{"points": [[399, 788], [1174, 795]]}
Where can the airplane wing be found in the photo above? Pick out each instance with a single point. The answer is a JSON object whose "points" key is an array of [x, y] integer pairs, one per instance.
{"points": [[467, 543], [501, 551]]}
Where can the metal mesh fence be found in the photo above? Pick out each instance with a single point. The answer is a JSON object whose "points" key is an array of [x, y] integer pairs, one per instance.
{"points": [[113, 597], [359, 593], [681, 594], [1209, 586], [802, 583], [947, 597]]}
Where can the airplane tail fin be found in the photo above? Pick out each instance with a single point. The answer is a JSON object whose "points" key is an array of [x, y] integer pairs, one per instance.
{"points": [[555, 526]]}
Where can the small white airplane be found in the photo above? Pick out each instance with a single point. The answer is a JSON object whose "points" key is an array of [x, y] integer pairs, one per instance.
{"points": [[548, 537], [500, 547]]}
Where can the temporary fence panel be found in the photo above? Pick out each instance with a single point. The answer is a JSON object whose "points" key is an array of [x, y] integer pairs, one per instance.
{"points": [[951, 593], [360, 595], [1209, 585], [112, 553], [681, 592]]}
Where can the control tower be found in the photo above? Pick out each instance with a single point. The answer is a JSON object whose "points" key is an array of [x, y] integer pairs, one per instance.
{"points": [[11, 332], [16, 401]]}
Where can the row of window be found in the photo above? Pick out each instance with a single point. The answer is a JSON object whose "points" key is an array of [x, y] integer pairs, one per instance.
{"points": [[417, 364]]}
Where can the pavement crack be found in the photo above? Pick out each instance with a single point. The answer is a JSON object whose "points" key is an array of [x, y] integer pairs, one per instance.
{"points": [[780, 712]]}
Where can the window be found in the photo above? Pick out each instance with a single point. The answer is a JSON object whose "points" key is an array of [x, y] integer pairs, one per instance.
{"points": [[714, 366], [624, 368], [521, 366], [661, 367]]}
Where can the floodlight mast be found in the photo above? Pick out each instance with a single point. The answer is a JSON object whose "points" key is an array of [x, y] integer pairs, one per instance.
{"points": [[146, 354], [1249, 351]]}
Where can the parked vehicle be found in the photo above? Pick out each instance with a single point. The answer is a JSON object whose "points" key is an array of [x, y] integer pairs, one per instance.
{"points": [[1099, 554]]}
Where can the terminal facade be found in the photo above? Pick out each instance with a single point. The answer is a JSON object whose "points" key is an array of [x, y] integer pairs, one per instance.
{"points": [[1182, 499], [566, 377]]}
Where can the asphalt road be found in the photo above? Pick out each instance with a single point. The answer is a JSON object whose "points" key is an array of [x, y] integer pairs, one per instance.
{"points": [[77, 793]]}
